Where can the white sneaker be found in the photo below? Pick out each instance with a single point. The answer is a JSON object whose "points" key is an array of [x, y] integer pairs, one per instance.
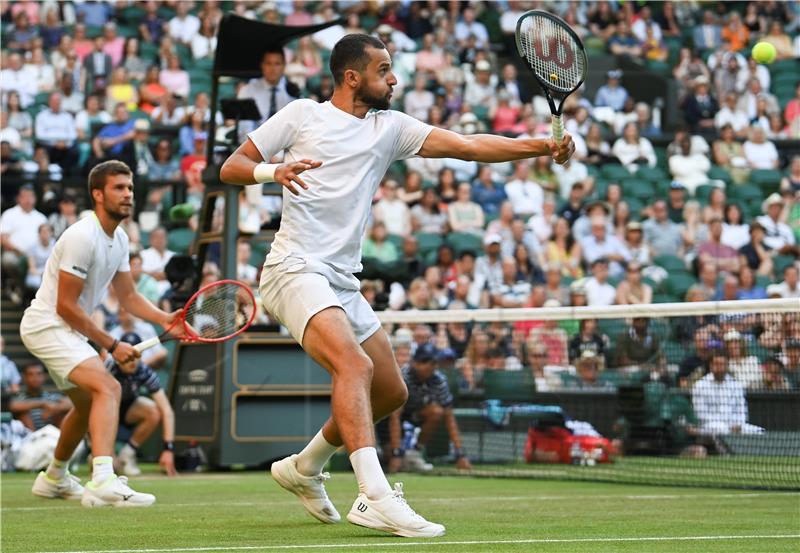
{"points": [[414, 462], [125, 463], [115, 492], [68, 487], [393, 515], [310, 489]]}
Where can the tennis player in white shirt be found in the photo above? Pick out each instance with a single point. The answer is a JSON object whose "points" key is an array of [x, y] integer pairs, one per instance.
{"points": [[91, 254], [343, 148]]}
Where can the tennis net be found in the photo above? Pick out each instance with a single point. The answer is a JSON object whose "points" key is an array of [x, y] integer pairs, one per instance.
{"points": [[702, 394]]}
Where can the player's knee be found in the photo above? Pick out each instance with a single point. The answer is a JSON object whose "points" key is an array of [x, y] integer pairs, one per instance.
{"points": [[399, 395], [107, 386], [360, 368], [153, 414]]}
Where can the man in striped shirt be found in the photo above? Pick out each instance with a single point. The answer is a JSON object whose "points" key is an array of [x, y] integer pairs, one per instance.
{"points": [[34, 406], [429, 403]]}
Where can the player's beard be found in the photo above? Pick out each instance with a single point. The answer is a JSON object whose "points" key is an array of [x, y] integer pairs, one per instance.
{"points": [[116, 213], [374, 101]]}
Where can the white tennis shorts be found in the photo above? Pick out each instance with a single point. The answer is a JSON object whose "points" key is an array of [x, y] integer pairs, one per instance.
{"points": [[60, 349], [293, 297]]}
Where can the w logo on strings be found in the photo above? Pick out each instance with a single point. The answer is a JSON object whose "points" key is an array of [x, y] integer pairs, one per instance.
{"points": [[554, 53], [361, 507]]}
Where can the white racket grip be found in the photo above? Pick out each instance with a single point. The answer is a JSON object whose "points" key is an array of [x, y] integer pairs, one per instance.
{"points": [[147, 344], [558, 129]]}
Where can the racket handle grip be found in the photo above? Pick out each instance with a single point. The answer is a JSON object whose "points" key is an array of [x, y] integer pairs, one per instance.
{"points": [[558, 129], [147, 344]]}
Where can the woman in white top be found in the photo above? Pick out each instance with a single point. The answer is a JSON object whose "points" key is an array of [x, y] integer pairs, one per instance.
{"points": [[392, 211], [463, 214], [735, 232], [759, 152], [632, 150], [743, 367], [426, 215], [204, 43]]}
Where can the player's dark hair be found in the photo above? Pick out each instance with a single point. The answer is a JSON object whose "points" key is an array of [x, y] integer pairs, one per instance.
{"points": [[100, 173], [351, 53]]}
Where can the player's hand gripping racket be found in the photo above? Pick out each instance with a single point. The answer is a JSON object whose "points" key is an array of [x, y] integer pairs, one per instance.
{"points": [[215, 313], [556, 57]]}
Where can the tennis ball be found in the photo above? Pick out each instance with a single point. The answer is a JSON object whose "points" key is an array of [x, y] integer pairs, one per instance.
{"points": [[764, 52], [553, 77]]}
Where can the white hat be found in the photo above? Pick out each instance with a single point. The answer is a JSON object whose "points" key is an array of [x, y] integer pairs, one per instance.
{"points": [[772, 199], [552, 302], [492, 238], [732, 335], [483, 65]]}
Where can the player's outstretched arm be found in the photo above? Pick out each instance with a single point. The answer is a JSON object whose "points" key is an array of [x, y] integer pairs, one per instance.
{"points": [[242, 168], [489, 148]]}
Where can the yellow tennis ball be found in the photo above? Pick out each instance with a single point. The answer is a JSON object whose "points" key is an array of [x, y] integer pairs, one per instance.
{"points": [[764, 52], [553, 77]]}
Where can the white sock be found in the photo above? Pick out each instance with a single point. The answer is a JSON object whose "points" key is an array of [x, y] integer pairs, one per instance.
{"points": [[127, 450], [312, 459], [57, 470], [371, 480], [102, 469]]}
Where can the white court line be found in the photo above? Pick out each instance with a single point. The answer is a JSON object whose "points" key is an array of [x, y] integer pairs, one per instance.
{"points": [[450, 500], [434, 542]]}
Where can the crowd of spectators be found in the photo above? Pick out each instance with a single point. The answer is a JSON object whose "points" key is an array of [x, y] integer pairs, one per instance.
{"points": [[618, 224]]}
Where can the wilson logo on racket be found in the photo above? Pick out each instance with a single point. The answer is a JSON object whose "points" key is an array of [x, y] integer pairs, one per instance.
{"points": [[554, 53]]}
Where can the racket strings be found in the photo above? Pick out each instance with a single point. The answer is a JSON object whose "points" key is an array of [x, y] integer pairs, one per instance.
{"points": [[552, 52], [221, 311]]}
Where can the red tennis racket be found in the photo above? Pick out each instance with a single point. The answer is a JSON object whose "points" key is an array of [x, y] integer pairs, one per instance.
{"points": [[215, 313]]}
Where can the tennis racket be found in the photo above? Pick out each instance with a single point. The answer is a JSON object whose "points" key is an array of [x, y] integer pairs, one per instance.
{"points": [[215, 313], [556, 57]]}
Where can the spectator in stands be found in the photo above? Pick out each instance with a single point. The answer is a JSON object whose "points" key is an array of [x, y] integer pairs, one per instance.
{"points": [[16, 79], [708, 35], [748, 102], [464, 215], [598, 150], [509, 292], [612, 94], [92, 114], [114, 137], [690, 169], [41, 72], [184, 26], [638, 348], [174, 78], [695, 365], [18, 235], [792, 110], [72, 99], [37, 258], [19, 119], [759, 152], [34, 406], [598, 290], [552, 283], [120, 90], [22, 34], [151, 91], [164, 167], [480, 90], [719, 402], [632, 290], [66, 215], [94, 14], [633, 150], [426, 216], [145, 284], [664, 236], [486, 193], [525, 195], [377, 246], [735, 232], [729, 154], [97, 66], [602, 20], [755, 254], [429, 403], [623, 43], [564, 250], [690, 67], [790, 287], [588, 338], [169, 112], [56, 133], [141, 415], [742, 366], [700, 107], [10, 378], [601, 244], [126, 323], [186, 135], [418, 102], [780, 40], [773, 375], [410, 256], [522, 237], [153, 26], [730, 115], [204, 43], [488, 268], [779, 236], [735, 34], [792, 362], [790, 183], [308, 57], [729, 290], [155, 258], [392, 211], [714, 252], [272, 91], [469, 26]]}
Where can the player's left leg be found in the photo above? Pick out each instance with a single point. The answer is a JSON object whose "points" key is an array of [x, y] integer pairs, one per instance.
{"points": [[144, 417]]}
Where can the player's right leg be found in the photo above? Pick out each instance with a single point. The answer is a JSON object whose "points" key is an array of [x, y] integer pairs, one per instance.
{"points": [[105, 488]]}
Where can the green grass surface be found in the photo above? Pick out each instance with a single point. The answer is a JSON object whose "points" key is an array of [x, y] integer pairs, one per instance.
{"points": [[230, 512]]}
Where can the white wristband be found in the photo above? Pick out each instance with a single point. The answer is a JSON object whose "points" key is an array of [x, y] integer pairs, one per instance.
{"points": [[265, 172]]}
